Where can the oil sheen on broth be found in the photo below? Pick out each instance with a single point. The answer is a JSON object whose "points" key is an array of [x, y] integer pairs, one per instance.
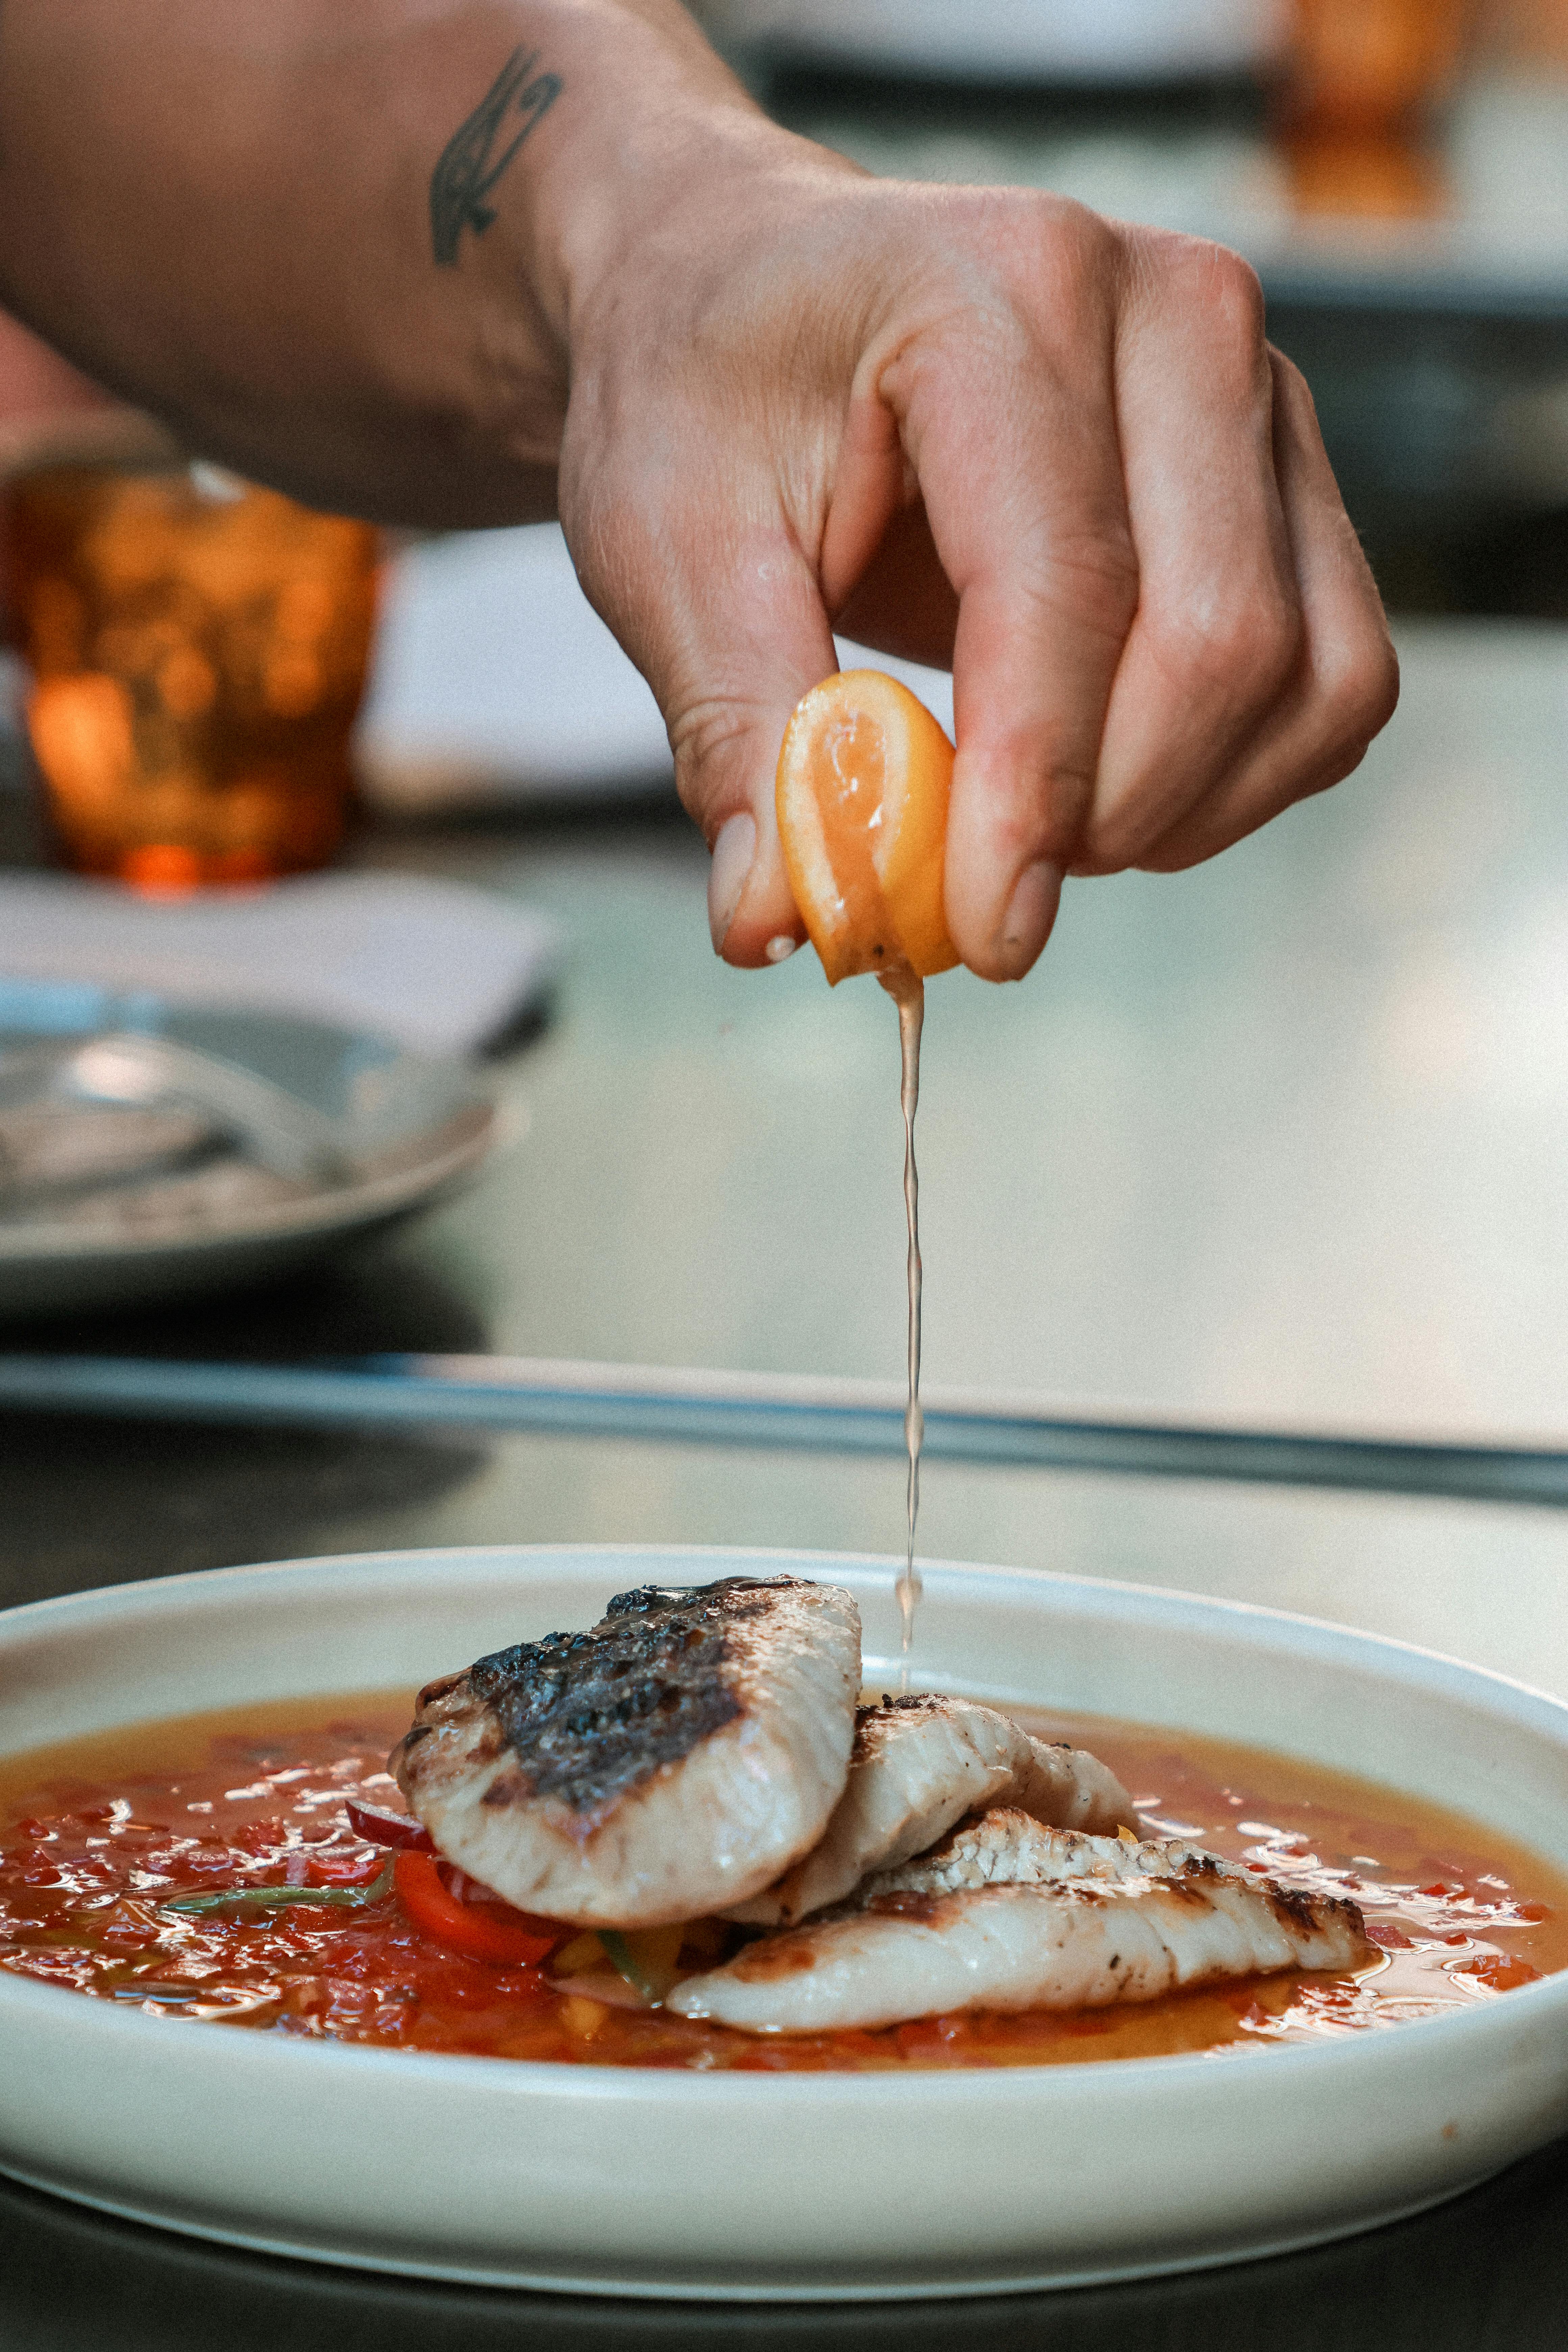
{"points": [[95, 1834]]}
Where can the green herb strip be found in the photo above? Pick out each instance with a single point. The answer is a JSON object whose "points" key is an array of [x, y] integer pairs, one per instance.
{"points": [[275, 1898], [625, 1962]]}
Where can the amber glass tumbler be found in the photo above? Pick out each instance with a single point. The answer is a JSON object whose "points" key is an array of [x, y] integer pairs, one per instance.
{"points": [[1367, 65], [198, 651]]}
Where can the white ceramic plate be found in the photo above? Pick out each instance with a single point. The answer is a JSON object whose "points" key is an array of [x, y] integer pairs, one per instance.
{"points": [[814, 2186], [415, 1126]]}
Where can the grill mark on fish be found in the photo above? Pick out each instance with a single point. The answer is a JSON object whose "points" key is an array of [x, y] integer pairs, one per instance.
{"points": [[671, 1759], [590, 1715], [440, 1688]]}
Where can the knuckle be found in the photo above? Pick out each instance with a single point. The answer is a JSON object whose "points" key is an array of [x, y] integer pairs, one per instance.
{"points": [[1053, 256], [1243, 647], [1230, 290], [1216, 293], [1238, 292], [706, 737], [1040, 811], [1088, 579], [1356, 689], [1083, 246], [1291, 388], [1113, 838]]}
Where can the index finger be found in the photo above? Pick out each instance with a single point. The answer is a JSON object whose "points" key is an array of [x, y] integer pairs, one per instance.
{"points": [[1008, 420]]}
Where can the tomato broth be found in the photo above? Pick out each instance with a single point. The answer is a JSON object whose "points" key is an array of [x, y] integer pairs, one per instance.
{"points": [[97, 1836]]}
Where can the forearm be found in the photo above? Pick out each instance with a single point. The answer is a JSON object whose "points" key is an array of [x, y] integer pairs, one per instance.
{"points": [[292, 228]]}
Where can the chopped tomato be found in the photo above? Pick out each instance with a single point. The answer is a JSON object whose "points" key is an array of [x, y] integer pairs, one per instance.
{"points": [[1500, 1971], [1387, 1936], [343, 1869], [495, 1932]]}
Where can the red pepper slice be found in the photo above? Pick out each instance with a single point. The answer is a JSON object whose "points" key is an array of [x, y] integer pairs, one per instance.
{"points": [[380, 1826], [436, 1911]]}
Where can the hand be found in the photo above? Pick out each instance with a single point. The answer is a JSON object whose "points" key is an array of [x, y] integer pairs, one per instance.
{"points": [[772, 394], [975, 426]]}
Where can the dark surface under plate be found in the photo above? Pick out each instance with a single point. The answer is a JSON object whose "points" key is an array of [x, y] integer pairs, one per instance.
{"points": [[1488, 2273]]}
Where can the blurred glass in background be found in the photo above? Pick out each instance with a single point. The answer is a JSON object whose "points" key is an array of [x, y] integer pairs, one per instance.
{"points": [[197, 649], [1360, 78]]}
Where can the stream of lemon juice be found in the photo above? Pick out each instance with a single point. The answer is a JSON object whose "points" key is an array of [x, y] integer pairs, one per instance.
{"points": [[908, 992]]}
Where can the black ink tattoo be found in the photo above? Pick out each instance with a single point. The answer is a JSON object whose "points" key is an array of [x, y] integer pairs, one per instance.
{"points": [[464, 174]]}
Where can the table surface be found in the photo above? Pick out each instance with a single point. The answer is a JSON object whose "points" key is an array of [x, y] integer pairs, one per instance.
{"points": [[1279, 1138]]}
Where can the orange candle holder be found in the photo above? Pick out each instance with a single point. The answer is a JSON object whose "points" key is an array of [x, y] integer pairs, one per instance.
{"points": [[1353, 106], [1368, 66], [198, 650]]}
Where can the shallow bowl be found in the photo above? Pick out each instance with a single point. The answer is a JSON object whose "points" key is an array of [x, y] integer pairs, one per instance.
{"points": [[787, 2187]]}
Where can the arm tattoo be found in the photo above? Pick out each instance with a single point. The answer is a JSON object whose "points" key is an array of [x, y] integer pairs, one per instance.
{"points": [[466, 174]]}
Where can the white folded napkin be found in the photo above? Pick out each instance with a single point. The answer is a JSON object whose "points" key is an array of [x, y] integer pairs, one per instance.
{"points": [[495, 680], [437, 966]]}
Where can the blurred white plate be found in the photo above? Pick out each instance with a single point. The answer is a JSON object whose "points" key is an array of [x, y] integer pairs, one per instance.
{"points": [[1043, 41], [495, 680], [414, 1127], [767, 2185]]}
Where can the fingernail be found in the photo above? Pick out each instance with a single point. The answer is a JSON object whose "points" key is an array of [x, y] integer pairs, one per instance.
{"points": [[734, 850], [1031, 911], [780, 949]]}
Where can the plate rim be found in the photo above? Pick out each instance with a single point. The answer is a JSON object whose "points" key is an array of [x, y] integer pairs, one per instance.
{"points": [[663, 2291], [882, 1567]]}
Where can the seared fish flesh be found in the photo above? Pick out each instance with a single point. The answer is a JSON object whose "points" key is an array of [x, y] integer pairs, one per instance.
{"points": [[672, 1759], [919, 1765], [1010, 1914]]}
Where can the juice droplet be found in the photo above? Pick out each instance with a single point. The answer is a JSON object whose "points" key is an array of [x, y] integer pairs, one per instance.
{"points": [[908, 992]]}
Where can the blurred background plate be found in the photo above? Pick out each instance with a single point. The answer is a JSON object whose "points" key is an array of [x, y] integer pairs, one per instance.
{"points": [[496, 683], [1016, 40], [408, 1129], [494, 680]]}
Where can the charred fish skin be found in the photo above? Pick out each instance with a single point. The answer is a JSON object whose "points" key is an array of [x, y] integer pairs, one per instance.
{"points": [[919, 1765], [669, 1760], [1012, 1916], [589, 1716]]}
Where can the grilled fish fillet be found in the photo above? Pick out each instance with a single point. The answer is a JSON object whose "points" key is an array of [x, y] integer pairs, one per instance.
{"points": [[1010, 1914], [919, 1765], [672, 1759]]}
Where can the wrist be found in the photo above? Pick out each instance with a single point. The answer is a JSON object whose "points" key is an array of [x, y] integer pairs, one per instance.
{"points": [[647, 114]]}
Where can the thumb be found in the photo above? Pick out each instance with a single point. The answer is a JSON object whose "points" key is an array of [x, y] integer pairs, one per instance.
{"points": [[729, 642], [756, 640]]}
